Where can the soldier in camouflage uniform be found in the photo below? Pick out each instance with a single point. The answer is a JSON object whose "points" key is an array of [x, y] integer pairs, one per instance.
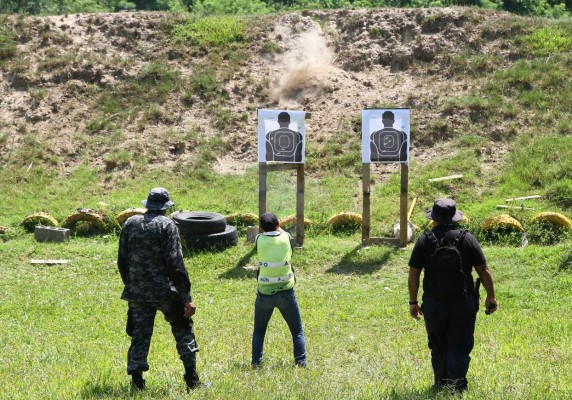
{"points": [[151, 265]]}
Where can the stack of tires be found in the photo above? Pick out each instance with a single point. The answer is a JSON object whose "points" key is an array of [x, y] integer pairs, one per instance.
{"points": [[202, 230]]}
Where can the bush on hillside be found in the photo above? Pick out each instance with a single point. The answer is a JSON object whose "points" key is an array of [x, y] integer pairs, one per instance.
{"points": [[560, 193], [219, 31], [7, 45], [566, 261], [547, 234]]}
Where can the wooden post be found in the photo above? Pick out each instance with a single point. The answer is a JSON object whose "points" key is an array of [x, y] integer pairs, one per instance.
{"points": [[403, 205], [263, 170], [300, 205], [366, 240], [366, 217], [262, 179]]}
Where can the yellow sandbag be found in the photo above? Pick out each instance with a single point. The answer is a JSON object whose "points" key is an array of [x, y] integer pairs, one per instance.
{"points": [[235, 219], [290, 220], [552, 218], [345, 220], [503, 221]]}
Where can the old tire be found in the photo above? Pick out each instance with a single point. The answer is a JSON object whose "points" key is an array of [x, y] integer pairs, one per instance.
{"points": [[123, 215], [213, 241], [40, 218], [96, 221], [502, 222], [199, 222]]}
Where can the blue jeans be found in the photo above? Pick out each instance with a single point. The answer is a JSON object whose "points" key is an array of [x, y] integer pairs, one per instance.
{"points": [[288, 305]]}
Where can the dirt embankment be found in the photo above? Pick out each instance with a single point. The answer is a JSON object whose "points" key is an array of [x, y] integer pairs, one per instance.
{"points": [[332, 64]]}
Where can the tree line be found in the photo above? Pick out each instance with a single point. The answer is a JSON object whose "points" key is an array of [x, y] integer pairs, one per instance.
{"points": [[544, 8]]}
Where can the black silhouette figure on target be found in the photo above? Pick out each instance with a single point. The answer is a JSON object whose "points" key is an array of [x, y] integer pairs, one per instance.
{"points": [[284, 144], [388, 144]]}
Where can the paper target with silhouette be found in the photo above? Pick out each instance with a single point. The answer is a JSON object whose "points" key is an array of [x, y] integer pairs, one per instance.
{"points": [[281, 136], [385, 135]]}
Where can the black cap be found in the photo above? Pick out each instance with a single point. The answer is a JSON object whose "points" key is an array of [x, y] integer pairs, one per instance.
{"points": [[158, 199], [444, 211], [268, 222]]}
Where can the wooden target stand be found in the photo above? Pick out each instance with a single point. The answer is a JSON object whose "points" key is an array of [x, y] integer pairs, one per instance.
{"points": [[366, 240], [263, 169]]}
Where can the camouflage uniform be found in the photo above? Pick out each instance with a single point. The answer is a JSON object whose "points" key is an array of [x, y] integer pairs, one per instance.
{"points": [[151, 265]]}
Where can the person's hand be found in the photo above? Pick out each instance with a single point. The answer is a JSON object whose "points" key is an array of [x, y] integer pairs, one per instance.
{"points": [[491, 305], [190, 309], [415, 310]]}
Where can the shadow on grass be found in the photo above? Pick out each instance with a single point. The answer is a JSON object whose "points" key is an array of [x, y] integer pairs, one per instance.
{"points": [[99, 390], [359, 262], [238, 271], [420, 394]]}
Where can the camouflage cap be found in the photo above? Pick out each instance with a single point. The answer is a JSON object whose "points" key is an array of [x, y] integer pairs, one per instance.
{"points": [[158, 199]]}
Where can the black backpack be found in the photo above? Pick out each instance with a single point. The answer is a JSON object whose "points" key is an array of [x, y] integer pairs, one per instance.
{"points": [[446, 276]]}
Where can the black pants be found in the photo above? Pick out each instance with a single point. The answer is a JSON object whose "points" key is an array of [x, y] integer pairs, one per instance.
{"points": [[450, 330], [140, 322]]}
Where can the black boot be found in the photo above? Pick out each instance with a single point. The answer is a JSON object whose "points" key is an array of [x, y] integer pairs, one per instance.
{"points": [[192, 380], [137, 381]]}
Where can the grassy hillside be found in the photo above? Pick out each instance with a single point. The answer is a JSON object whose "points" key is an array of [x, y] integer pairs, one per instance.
{"points": [[120, 98]]}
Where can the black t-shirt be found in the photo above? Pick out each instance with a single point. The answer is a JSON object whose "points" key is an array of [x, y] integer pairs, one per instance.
{"points": [[469, 247]]}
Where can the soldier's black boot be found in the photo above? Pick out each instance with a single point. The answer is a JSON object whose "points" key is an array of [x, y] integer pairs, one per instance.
{"points": [[137, 381], [192, 380]]}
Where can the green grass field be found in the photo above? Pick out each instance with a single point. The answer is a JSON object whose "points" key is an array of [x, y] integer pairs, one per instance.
{"points": [[63, 326]]}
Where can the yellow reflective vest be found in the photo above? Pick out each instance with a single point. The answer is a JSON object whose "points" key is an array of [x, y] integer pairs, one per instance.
{"points": [[275, 272]]}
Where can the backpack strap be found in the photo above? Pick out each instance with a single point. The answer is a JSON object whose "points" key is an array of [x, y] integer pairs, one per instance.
{"points": [[433, 239], [460, 236]]}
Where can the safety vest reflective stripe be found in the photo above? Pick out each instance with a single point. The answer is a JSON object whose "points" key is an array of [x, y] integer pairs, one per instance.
{"points": [[273, 264], [262, 279]]}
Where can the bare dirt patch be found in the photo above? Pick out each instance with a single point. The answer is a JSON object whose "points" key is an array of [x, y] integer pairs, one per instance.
{"points": [[332, 64]]}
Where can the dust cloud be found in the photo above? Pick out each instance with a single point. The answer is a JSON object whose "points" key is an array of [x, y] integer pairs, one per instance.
{"points": [[302, 67]]}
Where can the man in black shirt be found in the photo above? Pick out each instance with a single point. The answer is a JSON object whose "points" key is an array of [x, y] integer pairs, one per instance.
{"points": [[150, 261], [450, 324]]}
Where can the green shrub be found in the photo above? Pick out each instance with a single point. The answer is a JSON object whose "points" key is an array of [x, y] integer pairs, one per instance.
{"points": [[545, 233], [219, 31], [117, 157], [204, 83], [560, 193], [98, 124], [548, 39], [7, 45], [214, 7], [539, 163], [159, 80], [566, 261]]}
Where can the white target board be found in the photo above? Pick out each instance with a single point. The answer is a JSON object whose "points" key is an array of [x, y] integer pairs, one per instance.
{"points": [[385, 135], [281, 136]]}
